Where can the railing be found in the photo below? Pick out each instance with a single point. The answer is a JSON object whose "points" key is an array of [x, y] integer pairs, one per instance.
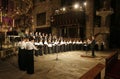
{"points": [[112, 66], [94, 73]]}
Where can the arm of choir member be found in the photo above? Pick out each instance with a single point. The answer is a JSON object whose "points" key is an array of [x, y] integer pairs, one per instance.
{"points": [[34, 47]]}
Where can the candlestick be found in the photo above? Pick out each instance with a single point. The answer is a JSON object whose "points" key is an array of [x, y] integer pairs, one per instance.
{"points": [[13, 23], [1, 16]]}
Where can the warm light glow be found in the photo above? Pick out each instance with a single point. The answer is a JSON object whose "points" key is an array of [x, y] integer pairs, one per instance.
{"points": [[64, 9], [80, 7], [56, 11], [76, 6], [85, 3], [17, 12]]}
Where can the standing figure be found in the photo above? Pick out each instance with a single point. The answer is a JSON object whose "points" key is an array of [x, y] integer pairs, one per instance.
{"points": [[93, 46], [30, 56], [22, 54]]}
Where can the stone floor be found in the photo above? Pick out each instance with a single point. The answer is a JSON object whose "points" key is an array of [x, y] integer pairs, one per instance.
{"points": [[70, 65]]}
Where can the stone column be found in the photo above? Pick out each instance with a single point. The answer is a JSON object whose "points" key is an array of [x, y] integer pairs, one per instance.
{"points": [[89, 18]]}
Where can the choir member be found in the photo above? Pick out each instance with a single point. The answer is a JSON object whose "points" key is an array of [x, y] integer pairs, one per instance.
{"points": [[30, 56], [93, 46], [22, 54]]}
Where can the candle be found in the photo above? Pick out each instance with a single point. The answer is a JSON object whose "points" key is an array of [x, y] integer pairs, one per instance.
{"points": [[1, 16], [13, 23]]}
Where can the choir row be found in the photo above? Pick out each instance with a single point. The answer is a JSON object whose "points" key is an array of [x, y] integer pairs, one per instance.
{"points": [[47, 43], [64, 47]]}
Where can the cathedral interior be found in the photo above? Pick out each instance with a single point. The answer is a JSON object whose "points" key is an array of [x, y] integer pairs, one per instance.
{"points": [[61, 29]]}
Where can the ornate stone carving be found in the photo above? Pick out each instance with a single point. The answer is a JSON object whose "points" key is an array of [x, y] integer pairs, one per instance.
{"points": [[104, 30], [105, 12]]}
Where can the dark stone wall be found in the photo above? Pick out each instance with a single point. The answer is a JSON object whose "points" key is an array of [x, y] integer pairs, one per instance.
{"points": [[115, 25]]}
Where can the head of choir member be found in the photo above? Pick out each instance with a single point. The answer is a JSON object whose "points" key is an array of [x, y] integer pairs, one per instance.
{"points": [[36, 33], [23, 39], [27, 39], [39, 33], [31, 39], [31, 34], [43, 35]]}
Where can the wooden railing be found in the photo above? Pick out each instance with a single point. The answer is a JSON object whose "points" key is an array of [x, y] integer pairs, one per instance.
{"points": [[112, 66], [94, 73]]}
